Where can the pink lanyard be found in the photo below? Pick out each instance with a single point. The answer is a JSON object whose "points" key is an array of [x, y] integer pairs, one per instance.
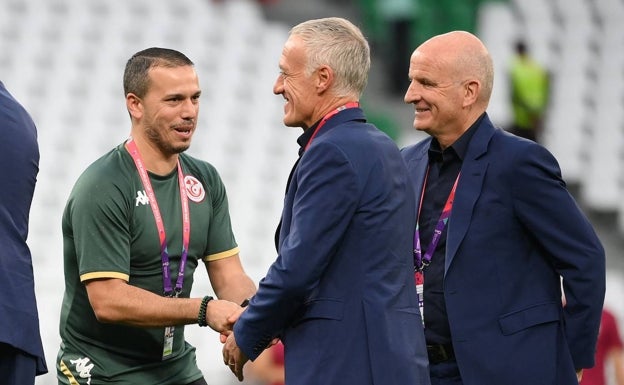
{"points": [[421, 262], [186, 222], [326, 118]]}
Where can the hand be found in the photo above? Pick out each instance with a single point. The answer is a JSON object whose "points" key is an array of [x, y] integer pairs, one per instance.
{"points": [[231, 319], [579, 375], [218, 314], [233, 357]]}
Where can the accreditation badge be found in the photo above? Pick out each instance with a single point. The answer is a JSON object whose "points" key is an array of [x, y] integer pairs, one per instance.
{"points": [[168, 344], [420, 291]]}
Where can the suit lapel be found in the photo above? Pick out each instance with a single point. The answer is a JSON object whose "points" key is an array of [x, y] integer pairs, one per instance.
{"points": [[349, 114], [417, 166], [469, 189]]}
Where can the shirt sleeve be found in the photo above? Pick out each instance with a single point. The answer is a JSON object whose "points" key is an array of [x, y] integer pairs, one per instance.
{"points": [[221, 240], [98, 216]]}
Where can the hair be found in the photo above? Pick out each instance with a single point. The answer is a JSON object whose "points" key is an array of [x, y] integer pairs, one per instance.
{"points": [[521, 47], [339, 44], [136, 78]]}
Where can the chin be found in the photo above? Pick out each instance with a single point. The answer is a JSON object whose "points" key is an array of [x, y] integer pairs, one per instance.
{"points": [[291, 123], [177, 149]]}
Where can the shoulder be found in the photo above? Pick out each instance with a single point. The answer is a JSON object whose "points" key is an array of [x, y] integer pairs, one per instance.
{"points": [[107, 188], [110, 174], [356, 138], [417, 150], [200, 169], [202, 177], [514, 147], [495, 141], [17, 125]]}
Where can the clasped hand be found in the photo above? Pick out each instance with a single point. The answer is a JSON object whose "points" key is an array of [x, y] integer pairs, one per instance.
{"points": [[218, 314], [233, 356]]}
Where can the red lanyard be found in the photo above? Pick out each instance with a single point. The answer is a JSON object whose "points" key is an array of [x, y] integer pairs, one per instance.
{"points": [[329, 115], [420, 261], [186, 221]]}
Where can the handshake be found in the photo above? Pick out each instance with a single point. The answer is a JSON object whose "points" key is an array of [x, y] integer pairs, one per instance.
{"points": [[221, 316]]}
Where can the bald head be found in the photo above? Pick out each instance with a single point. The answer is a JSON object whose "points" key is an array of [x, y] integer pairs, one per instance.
{"points": [[451, 77], [465, 57]]}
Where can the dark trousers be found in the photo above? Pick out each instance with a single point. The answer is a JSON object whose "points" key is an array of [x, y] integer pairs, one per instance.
{"points": [[17, 367], [445, 373]]}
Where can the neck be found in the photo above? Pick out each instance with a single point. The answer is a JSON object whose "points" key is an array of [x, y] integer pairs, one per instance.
{"points": [[447, 139], [153, 159], [330, 106]]}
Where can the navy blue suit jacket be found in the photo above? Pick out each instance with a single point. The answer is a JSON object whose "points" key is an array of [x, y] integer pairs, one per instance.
{"points": [[341, 293], [19, 157], [514, 229]]}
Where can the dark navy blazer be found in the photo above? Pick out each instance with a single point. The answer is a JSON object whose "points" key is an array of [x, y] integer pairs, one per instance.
{"points": [[341, 292], [513, 231], [19, 157]]}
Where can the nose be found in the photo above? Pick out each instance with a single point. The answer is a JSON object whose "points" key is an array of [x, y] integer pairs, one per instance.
{"points": [[278, 86], [190, 108], [412, 95]]}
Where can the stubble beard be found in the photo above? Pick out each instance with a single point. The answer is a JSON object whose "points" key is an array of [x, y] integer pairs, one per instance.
{"points": [[156, 137]]}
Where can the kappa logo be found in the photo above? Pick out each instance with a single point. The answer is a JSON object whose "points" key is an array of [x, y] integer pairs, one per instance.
{"points": [[194, 189], [141, 198], [83, 368]]}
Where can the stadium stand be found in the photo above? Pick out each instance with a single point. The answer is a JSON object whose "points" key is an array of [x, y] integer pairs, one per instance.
{"points": [[582, 44]]}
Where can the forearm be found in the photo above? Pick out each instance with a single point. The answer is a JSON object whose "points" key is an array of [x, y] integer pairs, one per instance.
{"points": [[239, 288], [119, 302], [618, 365], [229, 280]]}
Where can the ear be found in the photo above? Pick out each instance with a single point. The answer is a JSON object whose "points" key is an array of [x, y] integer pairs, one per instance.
{"points": [[324, 79], [472, 88], [134, 106]]}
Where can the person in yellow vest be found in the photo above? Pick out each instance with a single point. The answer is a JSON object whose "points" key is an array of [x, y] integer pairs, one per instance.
{"points": [[529, 86]]}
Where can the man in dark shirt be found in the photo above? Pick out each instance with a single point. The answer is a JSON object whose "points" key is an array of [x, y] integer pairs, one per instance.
{"points": [[497, 232], [443, 171]]}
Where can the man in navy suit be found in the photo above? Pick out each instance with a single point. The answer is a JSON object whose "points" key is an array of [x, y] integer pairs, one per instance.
{"points": [[341, 294], [498, 232], [21, 351]]}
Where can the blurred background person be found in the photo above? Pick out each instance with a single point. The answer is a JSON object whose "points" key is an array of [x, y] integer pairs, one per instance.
{"points": [[268, 368], [609, 354], [398, 19], [21, 350], [529, 89]]}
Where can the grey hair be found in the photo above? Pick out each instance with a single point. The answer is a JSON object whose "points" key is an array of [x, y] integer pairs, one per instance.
{"points": [[339, 44]]}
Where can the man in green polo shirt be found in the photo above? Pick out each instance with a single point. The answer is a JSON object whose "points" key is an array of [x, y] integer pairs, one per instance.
{"points": [[137, 223]]}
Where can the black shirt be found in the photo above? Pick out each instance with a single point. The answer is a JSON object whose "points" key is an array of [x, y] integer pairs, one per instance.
{"points": [[444, 167]]}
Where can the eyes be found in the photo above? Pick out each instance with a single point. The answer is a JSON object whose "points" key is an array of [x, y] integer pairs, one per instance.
{"points": [[425, 83], [175, 99], [428, 84]]}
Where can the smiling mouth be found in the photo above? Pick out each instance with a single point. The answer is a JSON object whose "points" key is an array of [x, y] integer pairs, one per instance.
{"points": [[183, 129]]}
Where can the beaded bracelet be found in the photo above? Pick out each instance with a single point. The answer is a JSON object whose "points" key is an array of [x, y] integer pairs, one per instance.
{"points": [[201, 318]]}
